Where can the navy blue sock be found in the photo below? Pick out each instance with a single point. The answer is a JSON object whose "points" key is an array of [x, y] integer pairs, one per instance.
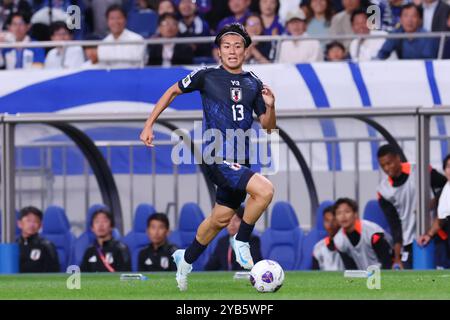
{"points": [[245, 231], [194, 251]]}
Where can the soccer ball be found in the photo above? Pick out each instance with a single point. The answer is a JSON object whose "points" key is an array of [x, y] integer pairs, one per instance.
{"points": [[267, 276]]}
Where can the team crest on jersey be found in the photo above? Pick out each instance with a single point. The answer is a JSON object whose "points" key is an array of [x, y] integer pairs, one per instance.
{"points": [[35, 254], [109, 258], [164, 262], [236, 94]]}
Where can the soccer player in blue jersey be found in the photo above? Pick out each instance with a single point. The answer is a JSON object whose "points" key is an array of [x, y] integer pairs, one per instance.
{"points": [[229, 96]]}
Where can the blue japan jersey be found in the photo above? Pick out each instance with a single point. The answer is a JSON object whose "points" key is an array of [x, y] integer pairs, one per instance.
{"points": [[229, 101]]}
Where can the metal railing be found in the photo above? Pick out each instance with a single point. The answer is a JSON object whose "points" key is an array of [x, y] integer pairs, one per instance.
{"points": [[421, 117], [441, 36]]}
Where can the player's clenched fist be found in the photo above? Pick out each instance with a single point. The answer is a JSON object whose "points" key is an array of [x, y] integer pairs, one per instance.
{"points": [[147, 136], [268, 96]]}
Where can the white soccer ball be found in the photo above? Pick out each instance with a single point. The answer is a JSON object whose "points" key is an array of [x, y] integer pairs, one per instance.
{"points": [[267, 276]]}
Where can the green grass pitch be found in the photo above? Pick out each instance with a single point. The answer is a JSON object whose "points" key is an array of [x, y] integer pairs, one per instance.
{"points": [[222, 286]]}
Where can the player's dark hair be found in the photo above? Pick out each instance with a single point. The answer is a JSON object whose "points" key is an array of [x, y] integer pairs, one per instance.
{"points": [[444, 163], [116, 7], [351, 203], [328, 209], [386, 149], [419, 9], [106, 212], [30, 210], [235, 28], [159, 217], [166, 16], [358, 12]]}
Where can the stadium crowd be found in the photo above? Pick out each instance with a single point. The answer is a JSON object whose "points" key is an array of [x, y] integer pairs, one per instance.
{"points": [[350, 241], [116, 21]]}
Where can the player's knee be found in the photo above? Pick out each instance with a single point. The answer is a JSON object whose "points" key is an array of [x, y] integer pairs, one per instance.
{"points": [[266, 191], [218, 223]]}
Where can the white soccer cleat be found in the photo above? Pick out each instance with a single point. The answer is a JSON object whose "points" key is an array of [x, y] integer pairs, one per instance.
{"points": [[183, 269], [242, 252]]}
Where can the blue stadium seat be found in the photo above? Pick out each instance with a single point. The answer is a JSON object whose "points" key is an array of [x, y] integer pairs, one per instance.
{"points": [[137, 238], [17, 228], [373, 212], [56, 228], [190, 218], [282, 242], [314, 235], [143, 22], [88, 237]]}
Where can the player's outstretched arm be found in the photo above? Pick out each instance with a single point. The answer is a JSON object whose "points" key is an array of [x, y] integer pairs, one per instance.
{"points": [[166, 99], [268, 120]]}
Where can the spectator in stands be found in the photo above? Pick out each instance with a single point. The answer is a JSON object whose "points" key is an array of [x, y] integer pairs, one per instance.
{"points": [[170, 53], [335, 52], [390, 13], [319, 20], [157, 256], [60, 58], [258, 52], [362, 241], [440, 229], [91, 54], [192, 25], [435, 13], [269, 15], [21, 58], [397, 199], [96, 10], [287, 6], [145, 5], [325, 255], [8, 7], [416, 48], [223, 257], [166, 6], [341, 22], [364, 49], [120, 56], [297, 51], [446, 54], [36, 253], [219, 10], [240, 11], [106, 254]]}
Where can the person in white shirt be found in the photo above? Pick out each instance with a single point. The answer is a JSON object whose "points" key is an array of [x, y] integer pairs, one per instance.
{"points": [[60, 58], [441, 225], [364, 49], [299, 51], [287, 6], [20, 58], [120, 56]]}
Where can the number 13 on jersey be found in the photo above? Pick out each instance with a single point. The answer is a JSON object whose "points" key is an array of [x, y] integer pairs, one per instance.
{"points": [[238, 112]]}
